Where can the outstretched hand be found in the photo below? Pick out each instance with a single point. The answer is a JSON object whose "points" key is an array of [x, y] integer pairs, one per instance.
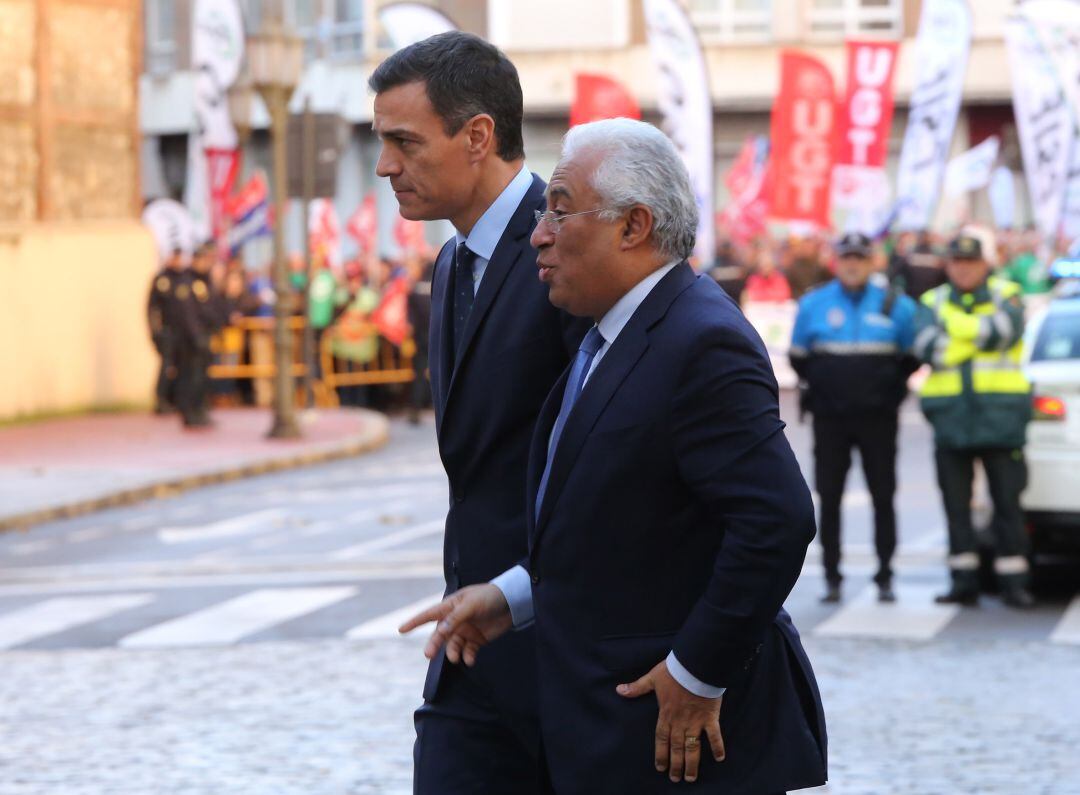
{"points": [[467, 619], [683, 718]]}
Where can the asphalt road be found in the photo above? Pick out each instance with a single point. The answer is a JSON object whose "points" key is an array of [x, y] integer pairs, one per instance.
{"points": [[279, 596]]}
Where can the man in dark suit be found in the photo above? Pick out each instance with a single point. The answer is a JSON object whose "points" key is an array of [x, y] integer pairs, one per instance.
{"points": [[448, 111], [668, 516]]}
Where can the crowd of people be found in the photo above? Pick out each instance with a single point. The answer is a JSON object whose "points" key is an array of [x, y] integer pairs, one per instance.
{"points": [[768, 269], [197, 304]]}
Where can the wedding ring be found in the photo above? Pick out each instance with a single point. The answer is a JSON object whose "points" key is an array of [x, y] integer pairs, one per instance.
{"points": [[691, 742]]}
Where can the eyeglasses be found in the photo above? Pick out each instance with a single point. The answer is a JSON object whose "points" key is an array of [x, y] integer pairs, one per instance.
{"points": [[552, 220]]}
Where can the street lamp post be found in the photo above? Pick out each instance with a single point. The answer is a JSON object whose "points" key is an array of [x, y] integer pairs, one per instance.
{"points": [[240, 96], [275, 61]]}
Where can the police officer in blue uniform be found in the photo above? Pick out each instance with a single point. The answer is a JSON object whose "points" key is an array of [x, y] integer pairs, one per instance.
{"points": [[851, 348]]}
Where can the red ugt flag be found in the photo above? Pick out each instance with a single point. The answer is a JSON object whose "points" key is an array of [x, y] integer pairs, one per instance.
{"points": [[803, 129]]}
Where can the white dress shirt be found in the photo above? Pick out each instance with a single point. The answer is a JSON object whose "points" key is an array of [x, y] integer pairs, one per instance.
{"points": [[515, 583], [488, 230]]}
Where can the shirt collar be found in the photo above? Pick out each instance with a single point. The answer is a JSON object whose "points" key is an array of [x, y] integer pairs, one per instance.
{"points": [[488, 230], [612, 323]]}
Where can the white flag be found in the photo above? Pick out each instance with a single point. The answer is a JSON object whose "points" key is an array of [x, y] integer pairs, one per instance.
{"points": [[686, 105], [409, 23], [941, 55], [1070, 213], [1043, 121], [971, 170], [217, 51], [1056, 24], [1002, 191]]}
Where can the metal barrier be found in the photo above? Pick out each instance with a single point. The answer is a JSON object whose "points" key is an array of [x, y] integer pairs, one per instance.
{"points": [[390, 365]]}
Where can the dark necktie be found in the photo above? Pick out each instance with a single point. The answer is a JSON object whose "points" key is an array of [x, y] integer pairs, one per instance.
{"points": [[463, 292], [589, 346]]}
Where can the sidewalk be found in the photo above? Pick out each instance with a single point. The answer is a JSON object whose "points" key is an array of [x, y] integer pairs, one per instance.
{"points": [[66, 467]]}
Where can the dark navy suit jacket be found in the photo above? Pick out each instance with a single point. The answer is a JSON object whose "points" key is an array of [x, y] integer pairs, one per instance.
{"points": [[515, 346], [675, 518]]}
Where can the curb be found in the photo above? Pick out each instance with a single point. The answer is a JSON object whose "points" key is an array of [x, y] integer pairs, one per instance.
{"points": [[173, 486]]}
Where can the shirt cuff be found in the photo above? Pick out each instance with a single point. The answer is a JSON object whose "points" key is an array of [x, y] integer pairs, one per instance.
{"points": [[689, 681], [516, 587]]}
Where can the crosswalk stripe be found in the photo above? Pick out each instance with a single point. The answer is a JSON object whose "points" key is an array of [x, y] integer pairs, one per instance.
{"points": [[1068, 629], [237, 526], [914, 616], [386, 625], [56, 615], [230, 621], [390, 540]]}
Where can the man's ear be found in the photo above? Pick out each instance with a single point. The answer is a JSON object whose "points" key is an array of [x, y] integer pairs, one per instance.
{"points": [[480, 136], [637, 227]]}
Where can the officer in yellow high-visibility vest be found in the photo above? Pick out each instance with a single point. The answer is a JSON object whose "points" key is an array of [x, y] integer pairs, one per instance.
{"points": [[979, 403]]}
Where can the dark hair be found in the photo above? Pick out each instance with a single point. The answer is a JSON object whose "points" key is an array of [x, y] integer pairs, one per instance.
{"points": [[463, 76]]}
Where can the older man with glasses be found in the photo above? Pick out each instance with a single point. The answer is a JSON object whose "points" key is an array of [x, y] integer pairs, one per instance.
{"points": [[668, 518]]}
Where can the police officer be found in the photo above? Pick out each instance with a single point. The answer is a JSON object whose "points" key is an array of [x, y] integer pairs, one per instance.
{"points": [[979, 402], [851, 347], [198, 312], [162, 333]]}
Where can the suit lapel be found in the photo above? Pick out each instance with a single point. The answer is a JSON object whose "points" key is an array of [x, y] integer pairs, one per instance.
{"points": [[539, 448], [618, 362], [441, 315], [513, 243]]}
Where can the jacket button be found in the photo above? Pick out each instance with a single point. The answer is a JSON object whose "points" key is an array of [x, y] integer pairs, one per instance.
{"points": [[459, 495], [453, 567], [535, 579]]}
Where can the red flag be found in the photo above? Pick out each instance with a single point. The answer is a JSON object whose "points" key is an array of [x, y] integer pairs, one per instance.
{"points": [[391, 316], [866, 114], [748, 182], [598, 97], [863, 126], [224, 165], [253, 193], [363, 224], [324, 232], [410, 235], [803, 128]]}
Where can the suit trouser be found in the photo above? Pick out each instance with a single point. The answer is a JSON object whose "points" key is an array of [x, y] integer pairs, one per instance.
{"points": [[1006, 476], [465, 745], [875, 438]]}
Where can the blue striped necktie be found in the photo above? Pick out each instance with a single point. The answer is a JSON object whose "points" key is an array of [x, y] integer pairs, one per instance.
{"points": [[589, 346]]}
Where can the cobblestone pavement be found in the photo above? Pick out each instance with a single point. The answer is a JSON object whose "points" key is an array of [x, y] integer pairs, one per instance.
{"points": [[334, 718], [239, 639]]}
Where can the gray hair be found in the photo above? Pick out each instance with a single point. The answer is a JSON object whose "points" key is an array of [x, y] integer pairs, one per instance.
{"points": [[639, 165]]}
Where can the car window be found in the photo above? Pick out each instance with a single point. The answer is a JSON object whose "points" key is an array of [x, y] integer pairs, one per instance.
{"points": [[1059, 338]]}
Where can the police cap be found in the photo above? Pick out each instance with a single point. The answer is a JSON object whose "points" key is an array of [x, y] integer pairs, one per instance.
{"points": [[854, 244], [965, 247]]}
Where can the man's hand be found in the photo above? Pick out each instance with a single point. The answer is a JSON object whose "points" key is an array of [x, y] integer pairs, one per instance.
{"points": [[467, 619], [683, 719]]}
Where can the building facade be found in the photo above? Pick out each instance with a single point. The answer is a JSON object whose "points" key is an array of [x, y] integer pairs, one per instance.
{"points": [[74, 259], [551, 42]]}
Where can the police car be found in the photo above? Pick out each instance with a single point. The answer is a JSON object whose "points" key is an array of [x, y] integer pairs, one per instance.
{"points": [[1052, 364]]}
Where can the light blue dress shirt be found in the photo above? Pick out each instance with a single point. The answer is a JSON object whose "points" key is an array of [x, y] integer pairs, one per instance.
{"points": [[515, 583], [489, 229]]}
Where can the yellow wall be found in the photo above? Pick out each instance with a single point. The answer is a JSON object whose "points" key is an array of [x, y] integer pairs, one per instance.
{"points": [[73, 331]]}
